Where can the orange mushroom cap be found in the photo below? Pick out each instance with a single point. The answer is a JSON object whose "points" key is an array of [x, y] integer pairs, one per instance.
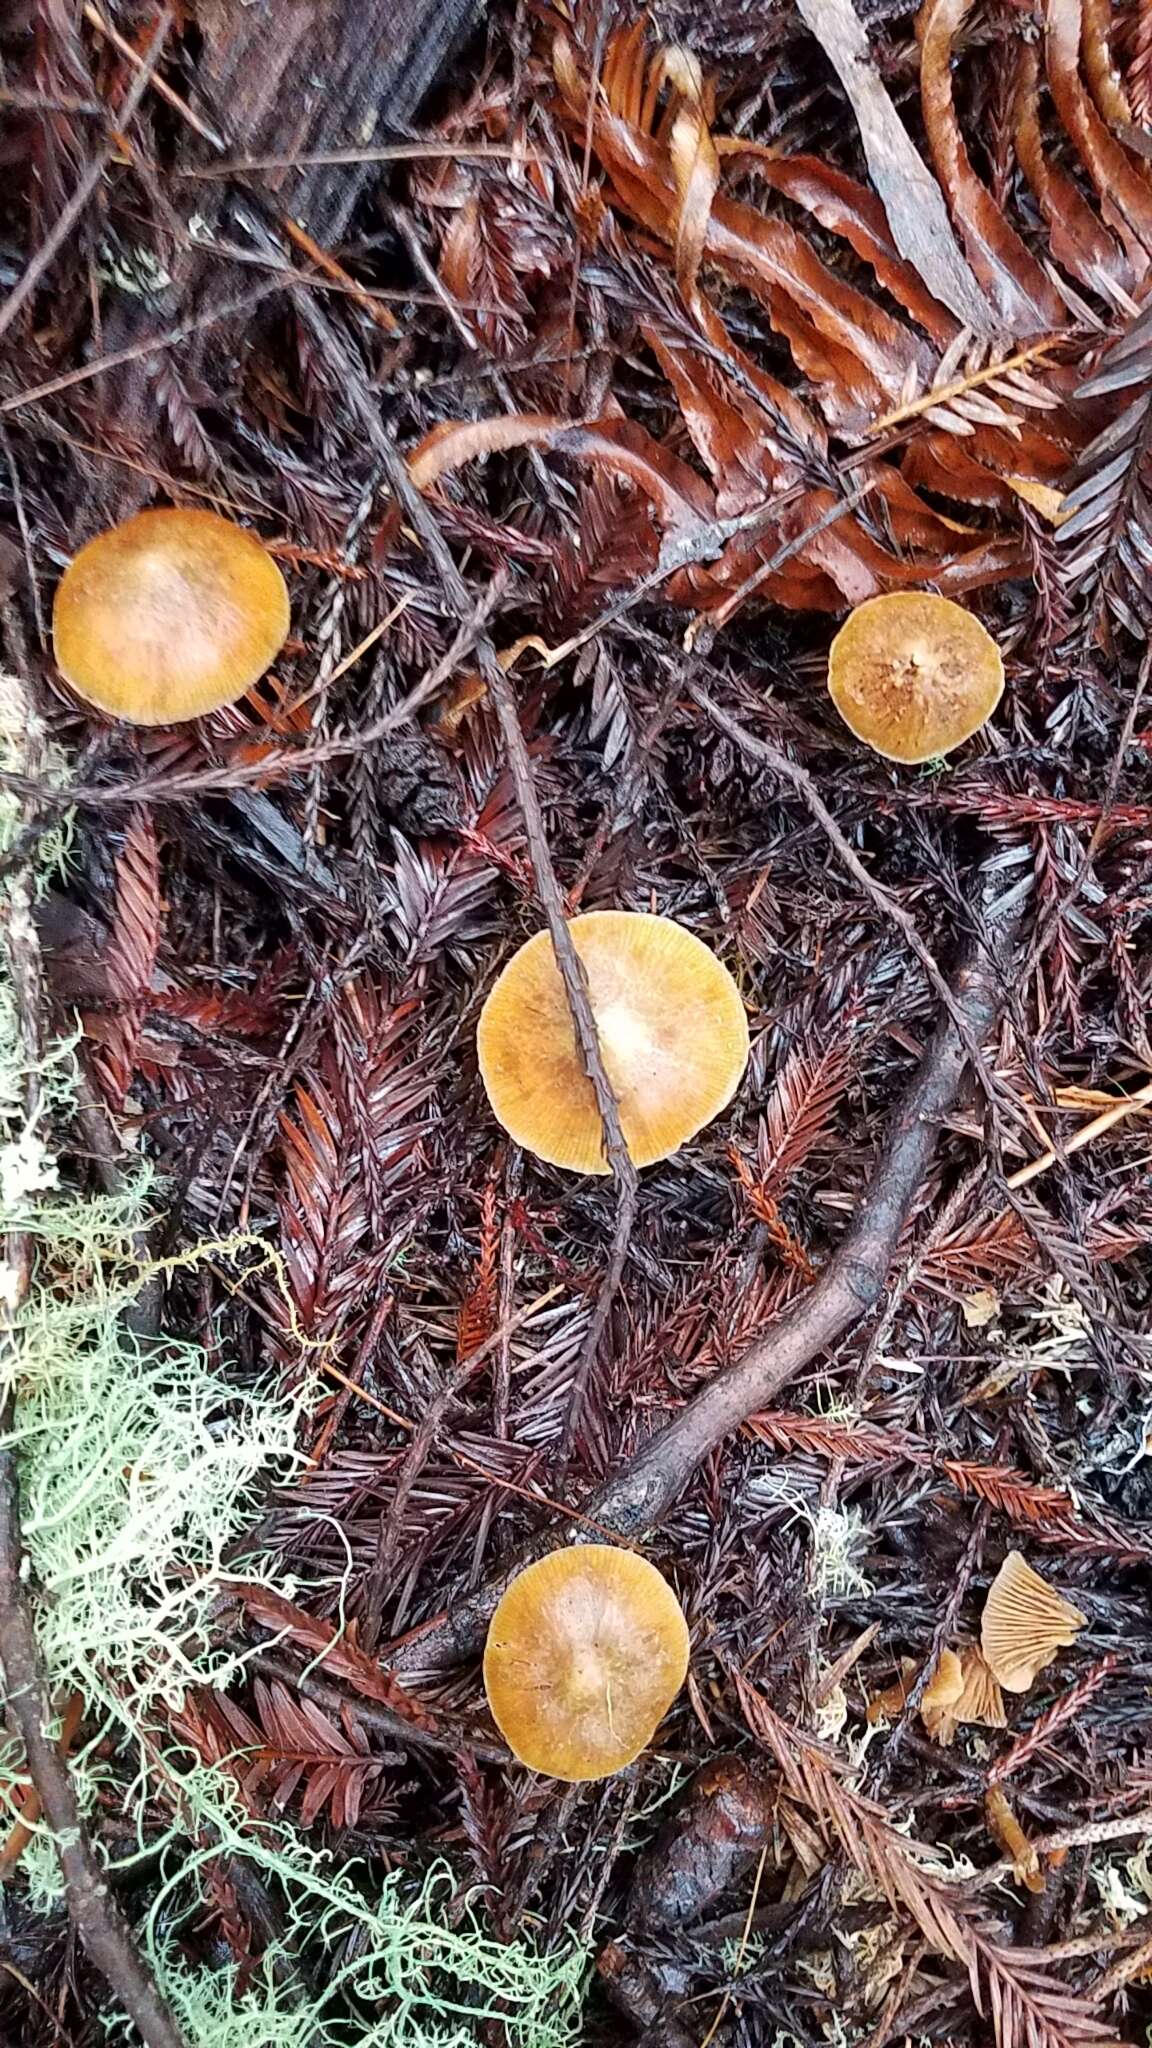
{"points": [[961, 1692], [672, 1031], [585, 1654], [914, 675], [168, 616]]}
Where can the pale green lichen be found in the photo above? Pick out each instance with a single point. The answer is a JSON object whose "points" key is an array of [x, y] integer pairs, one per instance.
{"points": [[141, 1464]]}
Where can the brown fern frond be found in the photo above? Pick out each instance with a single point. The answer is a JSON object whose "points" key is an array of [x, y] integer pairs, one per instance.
{"points": [[444, 890], [767, 1211], [477, 1317], [303, 1750], [480, 265], [615, 543], [129, 959], [959, 397], [1010, 807], [805, 1095], [384, 1090], [857, 1442], [1032, 2009], [339, 1651], [990, 1248], [1012, 1492], [1107, 539], [351, 1144], [1136, 53], [224, 1735], [1029, 2007], [226, 1913], [486, 1818], [184, 423], [1051, 1514], [1057, 1716]]}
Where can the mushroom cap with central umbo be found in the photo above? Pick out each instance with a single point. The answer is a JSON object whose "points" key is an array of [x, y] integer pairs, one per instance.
{"points": [[585, 1654], [913, 675], [672, 1031], [169, 616]]}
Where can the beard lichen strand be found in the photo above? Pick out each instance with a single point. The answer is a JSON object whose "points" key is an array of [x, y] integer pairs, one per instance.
{"points": [[140, 1466]]}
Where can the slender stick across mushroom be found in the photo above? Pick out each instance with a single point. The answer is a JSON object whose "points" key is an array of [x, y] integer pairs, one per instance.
{"points": [[637, 1497]]}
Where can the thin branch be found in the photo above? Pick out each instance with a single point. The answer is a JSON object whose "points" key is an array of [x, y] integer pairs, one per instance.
{"points": [[850, 1285], [246, 773], [170, 337], [889, 905], [576, 988], [1126, 1105], [386, 153], [92, 1906], [160, 86]]}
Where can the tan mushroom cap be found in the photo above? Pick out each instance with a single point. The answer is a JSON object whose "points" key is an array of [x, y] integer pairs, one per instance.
{"points": [[913, 675], [169, 616], [585, 1654], [672, 1030], [1025, 1623], [961, 1693]]}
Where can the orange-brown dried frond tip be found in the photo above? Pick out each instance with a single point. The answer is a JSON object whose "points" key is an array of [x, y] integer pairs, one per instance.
{"points": [[672, 1032], [1025, 1623], [962, 1693], [913, 675], [169, 616], [585, 1654]]}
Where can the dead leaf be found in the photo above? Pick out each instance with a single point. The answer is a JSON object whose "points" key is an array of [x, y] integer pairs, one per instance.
{"points": [[912, 199]]}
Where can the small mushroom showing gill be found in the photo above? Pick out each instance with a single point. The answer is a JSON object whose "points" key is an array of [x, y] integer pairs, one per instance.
{"points": [[672, 1031], [913, 675], [168, 616], [1025, 1623], [962, 1692], [585, 1654]]}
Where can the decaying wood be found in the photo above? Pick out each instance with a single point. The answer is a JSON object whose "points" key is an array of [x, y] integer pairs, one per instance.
{"points": [[281, 80]]}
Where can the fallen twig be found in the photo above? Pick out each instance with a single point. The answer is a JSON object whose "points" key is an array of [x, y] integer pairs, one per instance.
{"points": [[576, 988], [92, 1906], [245, 773], [886, 903], [641, 1494], [853, 1280], [1127, 1105], [1090, 1835]]}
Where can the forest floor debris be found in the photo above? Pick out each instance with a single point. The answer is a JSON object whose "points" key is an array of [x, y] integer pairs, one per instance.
{"points": [[576, 421]]}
